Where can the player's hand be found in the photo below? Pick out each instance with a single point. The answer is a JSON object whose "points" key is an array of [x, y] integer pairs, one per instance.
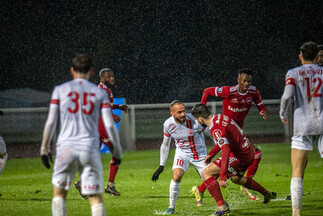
{"points": [[223, 183], [207, 159], [45, 159], [284, 120], [123, 108], [264, 115], [156, 174]]}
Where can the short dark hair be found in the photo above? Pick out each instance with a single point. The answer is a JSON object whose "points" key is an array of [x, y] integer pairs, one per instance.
{"points": [[103, 71], [309, 51], [82, 63], [200, 110], [245, 71]]}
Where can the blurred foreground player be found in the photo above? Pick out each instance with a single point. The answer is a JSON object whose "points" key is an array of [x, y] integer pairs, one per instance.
{"points": [[78, 104], [190, 148], [106, 82], [319, 58], [305, 84], [3, 152], [230, 139], [237, 101]]}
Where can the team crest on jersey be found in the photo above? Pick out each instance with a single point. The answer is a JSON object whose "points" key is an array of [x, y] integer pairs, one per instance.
{"points": [[190, 131], [220, 90], [217, 134], [234, 100], [249, 100]]}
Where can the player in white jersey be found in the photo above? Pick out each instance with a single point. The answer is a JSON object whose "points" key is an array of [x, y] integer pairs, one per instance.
{"points": [[305, 83], [78, 103], [190, 148], [3, 152]]}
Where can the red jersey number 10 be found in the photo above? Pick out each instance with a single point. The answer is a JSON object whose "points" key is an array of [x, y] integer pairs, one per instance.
{"points": [[87, 106], [308, 86]]}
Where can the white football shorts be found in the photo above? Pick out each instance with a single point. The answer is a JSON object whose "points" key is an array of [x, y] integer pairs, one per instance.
{"points": [[306, 143], [88, 163], [183, 160]]}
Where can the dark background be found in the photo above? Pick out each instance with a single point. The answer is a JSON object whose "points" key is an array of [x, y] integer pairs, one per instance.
{"points": [[159, 50]]}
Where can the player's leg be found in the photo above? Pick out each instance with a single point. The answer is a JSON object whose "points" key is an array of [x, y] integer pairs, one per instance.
{"points": [[58, 202], [64, 172], [253, 185], [3, 155], [97, 205], [180, 165], [92, 180], [252, 169], [210, 175], [114, 167], [198, 191], [301, 147]]}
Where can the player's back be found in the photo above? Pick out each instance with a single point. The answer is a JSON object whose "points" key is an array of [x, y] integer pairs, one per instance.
{"points": [[308, 114], [224, 127], [79, 105]]}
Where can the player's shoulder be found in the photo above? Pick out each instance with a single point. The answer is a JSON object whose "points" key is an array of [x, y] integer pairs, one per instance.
{"points": [[169, 121], [232, 88], [252, 89], [190, 116]]}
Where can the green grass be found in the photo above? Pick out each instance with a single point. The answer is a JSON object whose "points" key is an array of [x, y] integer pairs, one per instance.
{"points": [[26, 187]]}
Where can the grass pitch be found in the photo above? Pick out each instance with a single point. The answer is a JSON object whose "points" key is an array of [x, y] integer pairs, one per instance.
{"points": [[25, 186]]}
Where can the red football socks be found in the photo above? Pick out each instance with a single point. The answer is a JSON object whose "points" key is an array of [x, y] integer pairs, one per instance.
{"points": [[213, 187], [113, 171], [253, 185], [202, 188]]}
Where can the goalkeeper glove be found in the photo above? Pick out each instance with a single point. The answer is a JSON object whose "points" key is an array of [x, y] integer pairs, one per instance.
{"points": [[156, 174]]}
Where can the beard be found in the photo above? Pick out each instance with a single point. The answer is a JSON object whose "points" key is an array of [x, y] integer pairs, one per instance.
{"points": [[181, 120]]}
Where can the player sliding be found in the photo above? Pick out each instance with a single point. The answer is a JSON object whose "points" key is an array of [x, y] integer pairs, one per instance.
{"points": [[230, 138], [190, 148], [237, 101]]}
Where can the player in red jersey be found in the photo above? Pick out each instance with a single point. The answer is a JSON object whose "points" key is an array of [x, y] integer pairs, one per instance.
{"points": [[237, 101], [230, 138], [107, 80]]}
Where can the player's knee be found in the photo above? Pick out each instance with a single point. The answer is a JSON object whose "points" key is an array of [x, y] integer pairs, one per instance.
{"points": [[235, 179], [115, 161]]}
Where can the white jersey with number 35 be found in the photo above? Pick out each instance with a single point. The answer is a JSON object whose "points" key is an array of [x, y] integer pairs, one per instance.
{"points": [[80, 103], [308, 108]]}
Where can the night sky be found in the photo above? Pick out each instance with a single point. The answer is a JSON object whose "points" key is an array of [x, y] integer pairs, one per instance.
{"points": [[159, 50]]}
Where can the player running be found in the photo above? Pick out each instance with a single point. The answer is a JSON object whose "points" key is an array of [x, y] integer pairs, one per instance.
{"points": [[78, 104], [106, 81], [230, 139], [190, 148], [237, 101], [305, 84]]}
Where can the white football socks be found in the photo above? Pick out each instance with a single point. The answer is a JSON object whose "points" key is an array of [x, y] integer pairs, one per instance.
{"points": [[98, 209], [174, 189], [296, 189], [58, 206]]}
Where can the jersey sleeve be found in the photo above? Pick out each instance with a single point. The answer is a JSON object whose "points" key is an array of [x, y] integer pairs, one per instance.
{"points": [[223, 92], [55, 97], [165, 130], [290, 78], [259, 103], [105, 100]]}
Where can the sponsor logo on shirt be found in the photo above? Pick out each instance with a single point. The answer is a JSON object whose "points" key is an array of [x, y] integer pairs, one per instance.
{"points": [[220, 90], [237, 109]]}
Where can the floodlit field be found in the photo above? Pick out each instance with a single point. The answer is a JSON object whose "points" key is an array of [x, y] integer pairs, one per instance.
{"points": [[26, 187]]}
